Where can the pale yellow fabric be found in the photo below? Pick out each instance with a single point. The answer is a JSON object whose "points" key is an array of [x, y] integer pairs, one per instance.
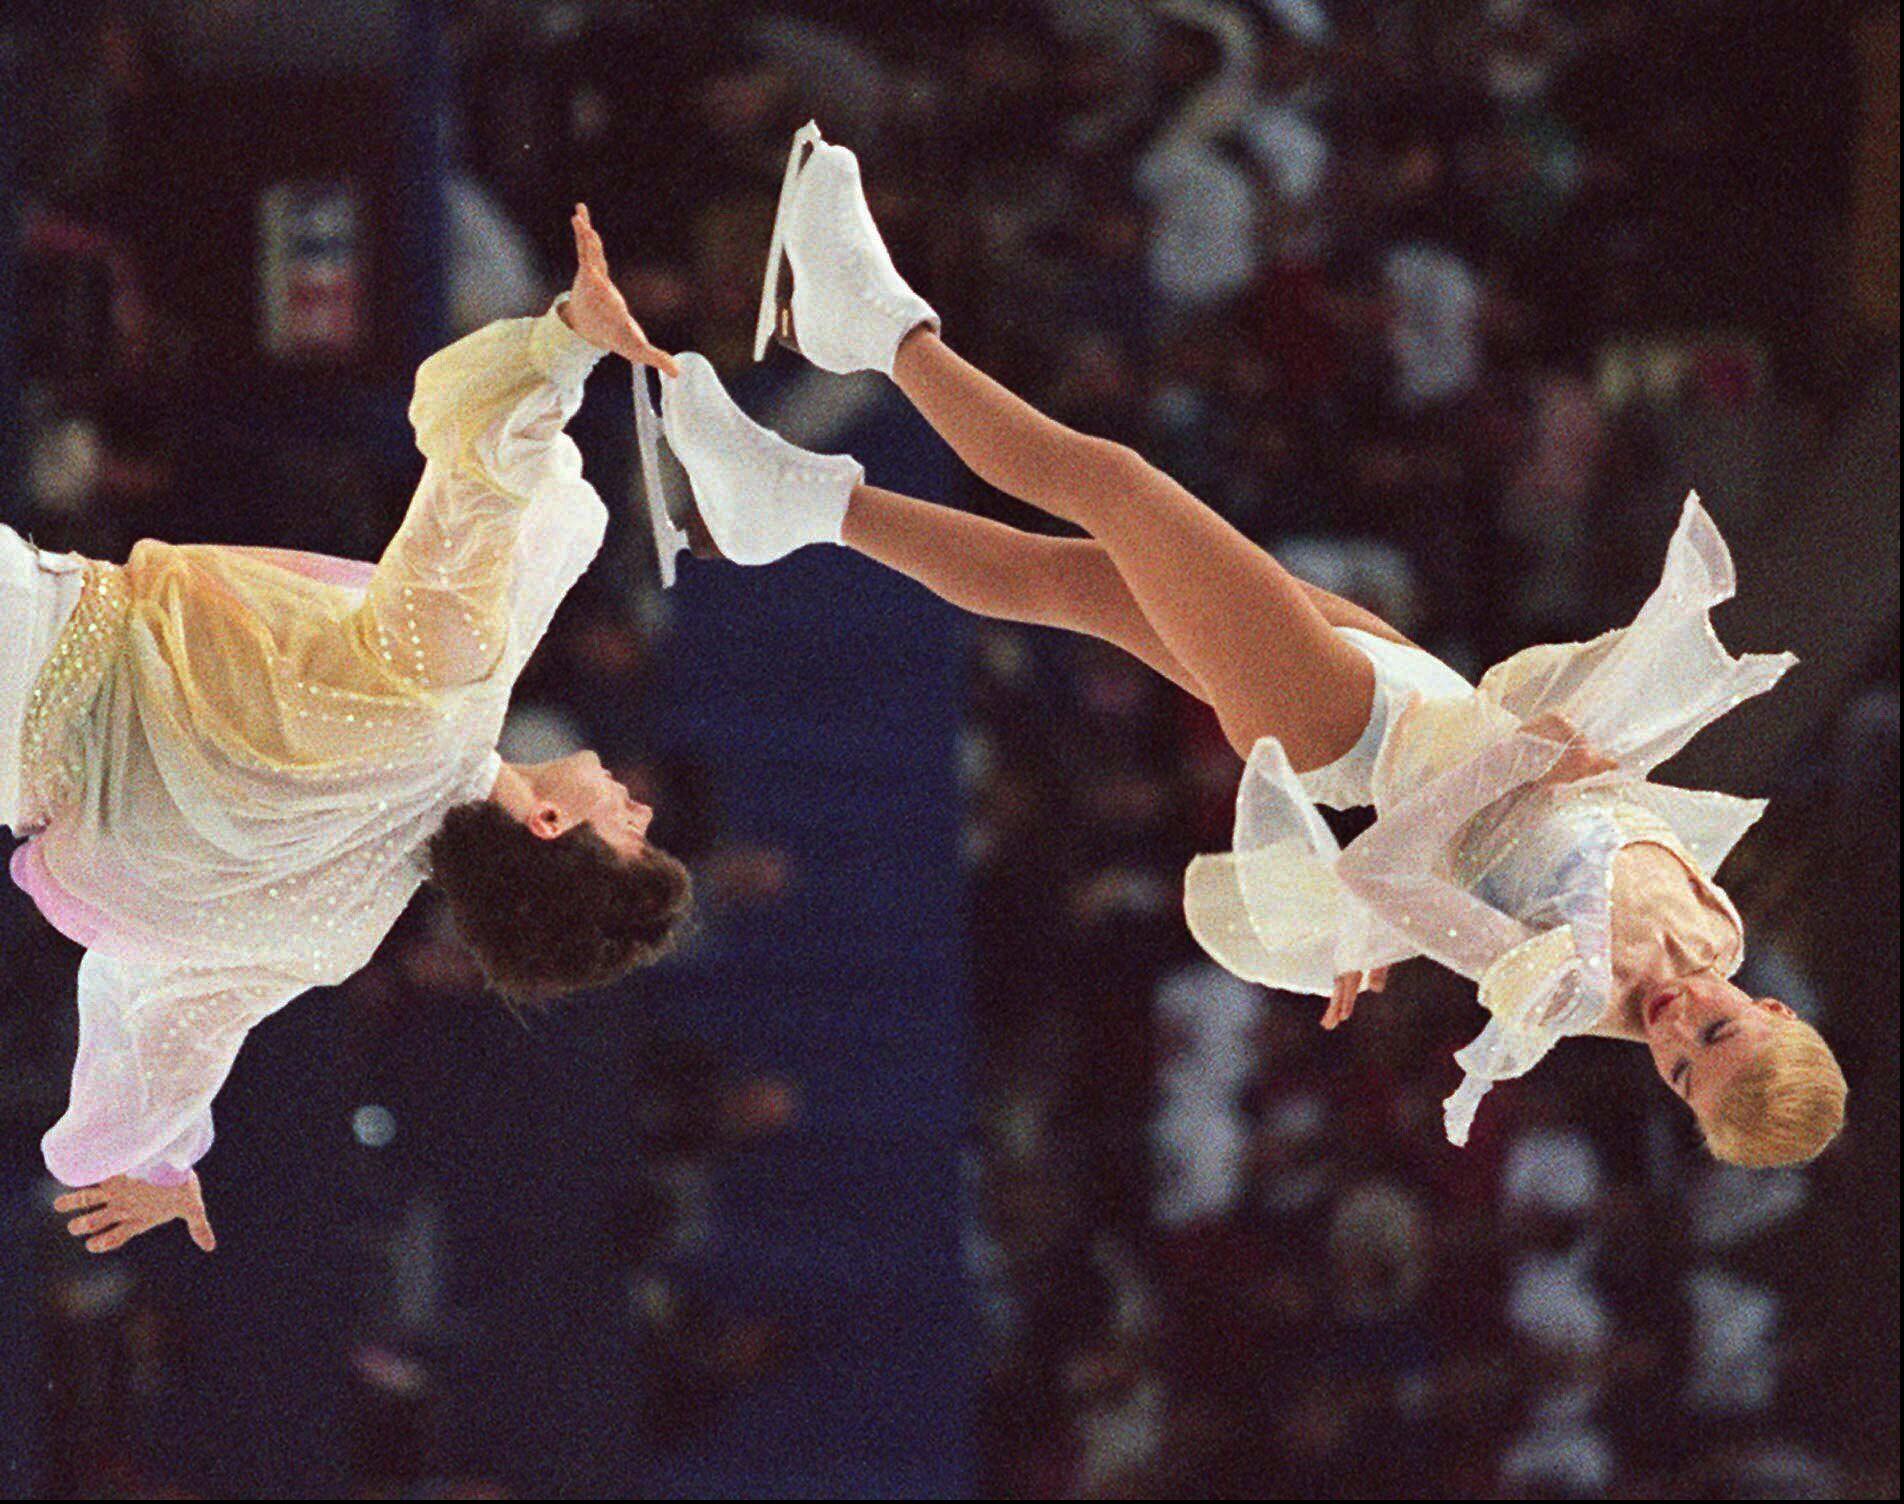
{"points": [[38, 593], [267, 753], [50, 767]]}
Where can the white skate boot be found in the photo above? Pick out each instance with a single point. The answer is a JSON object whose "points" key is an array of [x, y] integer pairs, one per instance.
{"points": [[756, 497], [831, 291]]}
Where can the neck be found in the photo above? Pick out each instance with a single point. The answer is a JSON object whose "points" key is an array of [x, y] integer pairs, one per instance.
{"points": [[514, 792], [1622, 1018]]}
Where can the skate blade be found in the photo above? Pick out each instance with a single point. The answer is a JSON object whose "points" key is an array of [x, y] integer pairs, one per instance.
{"points": [[669, 537], [777, 288]]}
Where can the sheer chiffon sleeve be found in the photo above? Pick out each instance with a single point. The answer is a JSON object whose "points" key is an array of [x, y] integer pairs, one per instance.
{"points": [[502, 522], [155, 1046], [1641, 693]]}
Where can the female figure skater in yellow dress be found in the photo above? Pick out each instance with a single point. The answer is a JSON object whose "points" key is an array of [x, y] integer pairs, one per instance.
{"points": [[1519, 839]]}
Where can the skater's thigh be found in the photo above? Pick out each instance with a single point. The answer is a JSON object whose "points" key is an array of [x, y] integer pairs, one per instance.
{"points": [[1241, 623]]}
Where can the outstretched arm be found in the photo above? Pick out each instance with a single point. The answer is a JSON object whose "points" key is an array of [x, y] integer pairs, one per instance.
{"points": [[155, 1045], [502, 501], [488, 413]]}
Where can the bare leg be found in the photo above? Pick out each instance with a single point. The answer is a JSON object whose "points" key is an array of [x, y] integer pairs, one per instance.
{"points": [[992, 570], [1338, 612], [1242, 626]]}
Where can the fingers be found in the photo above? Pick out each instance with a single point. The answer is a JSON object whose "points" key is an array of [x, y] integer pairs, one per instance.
{"points": [[110, 1228], [196, 1222], [124, 1233], [648, 355], [1342, 1000], [108, 1216], [1349, 986], [108, 1225], [201, 1231], [588, 244]]}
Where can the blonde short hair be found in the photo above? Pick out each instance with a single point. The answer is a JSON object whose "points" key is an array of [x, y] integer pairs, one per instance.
{"points": [[1784, 1107]]}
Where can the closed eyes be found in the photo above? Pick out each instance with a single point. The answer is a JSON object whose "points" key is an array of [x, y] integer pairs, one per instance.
{"points": [[1719, 1029]]}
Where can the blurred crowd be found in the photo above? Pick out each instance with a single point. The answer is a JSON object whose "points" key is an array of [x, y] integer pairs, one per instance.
{"points": [[1225, 1252], [1425, 297]]}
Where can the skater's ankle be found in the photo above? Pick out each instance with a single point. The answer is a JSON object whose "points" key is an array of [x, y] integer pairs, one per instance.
{"points": [[854, 524], [913, 344]]}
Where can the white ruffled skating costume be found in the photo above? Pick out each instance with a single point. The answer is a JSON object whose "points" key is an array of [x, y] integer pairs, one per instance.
{"points": [[1472, 860], [235, 755]]}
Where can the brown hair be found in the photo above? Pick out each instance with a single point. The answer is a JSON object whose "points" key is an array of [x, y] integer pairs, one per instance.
{"points": [[547, 916], [1785, 1106]]}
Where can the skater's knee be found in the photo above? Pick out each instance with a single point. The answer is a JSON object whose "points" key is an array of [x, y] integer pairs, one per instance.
{"points": [[1070, 579], [1101, 477], [1118, 468]]}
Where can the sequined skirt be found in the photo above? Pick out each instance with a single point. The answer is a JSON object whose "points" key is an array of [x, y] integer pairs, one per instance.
{"points": [[39, 594]]}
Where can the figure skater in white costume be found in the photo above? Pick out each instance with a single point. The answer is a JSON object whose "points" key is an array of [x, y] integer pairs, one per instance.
{"points": [[236, 765], [1517, 840]]}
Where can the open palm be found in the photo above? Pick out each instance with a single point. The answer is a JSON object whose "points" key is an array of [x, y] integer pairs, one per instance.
{"points": [[596, 309], [119, 1209]]}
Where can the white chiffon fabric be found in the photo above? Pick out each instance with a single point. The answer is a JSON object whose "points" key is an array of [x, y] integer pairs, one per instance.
{"points": [[276, 737], [1289, 908]]}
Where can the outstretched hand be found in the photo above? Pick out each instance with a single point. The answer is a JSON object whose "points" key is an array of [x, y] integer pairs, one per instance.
{"points": [[596, 309], [121, 1208]]}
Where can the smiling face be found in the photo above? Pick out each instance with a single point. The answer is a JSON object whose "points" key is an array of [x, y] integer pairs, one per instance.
{"points": [[1704, 1032], [582, 791]]}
